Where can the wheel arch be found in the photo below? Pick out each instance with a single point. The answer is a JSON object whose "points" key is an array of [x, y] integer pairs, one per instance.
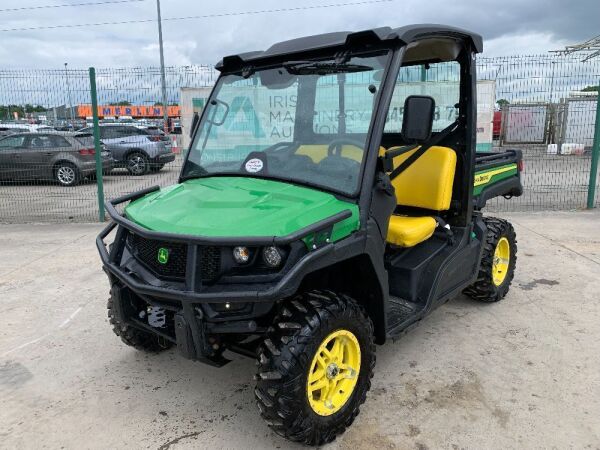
{"points": [[356, 277], [131, 150], [54, 165]]}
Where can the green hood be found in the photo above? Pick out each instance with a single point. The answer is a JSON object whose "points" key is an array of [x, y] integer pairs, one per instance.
{"points": [[237, 206]]}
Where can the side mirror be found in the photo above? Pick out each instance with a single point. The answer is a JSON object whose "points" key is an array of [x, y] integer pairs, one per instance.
{"points": [[417, 120], [194, 124]]}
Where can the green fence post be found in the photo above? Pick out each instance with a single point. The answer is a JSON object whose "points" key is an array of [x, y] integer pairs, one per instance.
{"points": [[98, 148], [595, 156]]}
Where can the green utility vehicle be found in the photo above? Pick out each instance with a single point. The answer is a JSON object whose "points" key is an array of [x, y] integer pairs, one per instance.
{"points": [[331, 198]]}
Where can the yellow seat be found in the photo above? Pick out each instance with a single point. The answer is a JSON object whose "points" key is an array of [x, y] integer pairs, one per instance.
{"points": [[426, 184], [409, 231], [318, 152]]}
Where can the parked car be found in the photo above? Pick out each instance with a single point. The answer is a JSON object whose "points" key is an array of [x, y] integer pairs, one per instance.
{"points": [[49, 156], [64, 125], [6, 131], [16, 127], [133, 148]]}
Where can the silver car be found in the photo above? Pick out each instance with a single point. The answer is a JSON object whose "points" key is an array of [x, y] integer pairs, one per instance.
{"points": [[133, 148], [49, 156]]}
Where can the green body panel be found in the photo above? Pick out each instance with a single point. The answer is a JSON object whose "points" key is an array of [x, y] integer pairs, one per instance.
{"points": [[486, 178], [238, 207]]}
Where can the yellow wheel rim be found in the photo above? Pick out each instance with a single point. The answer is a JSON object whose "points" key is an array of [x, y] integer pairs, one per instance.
{"points": [[333, 372], [501, 261]]}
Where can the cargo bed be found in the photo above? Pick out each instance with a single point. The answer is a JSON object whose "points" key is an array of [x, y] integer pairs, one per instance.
{"points": [[497, 174]]}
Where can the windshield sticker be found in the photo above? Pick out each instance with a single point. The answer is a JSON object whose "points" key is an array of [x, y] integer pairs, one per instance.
{"points": [[254, 165]]}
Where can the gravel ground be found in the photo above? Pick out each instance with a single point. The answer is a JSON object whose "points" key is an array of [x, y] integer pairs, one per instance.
{"points": [[523, 373]]}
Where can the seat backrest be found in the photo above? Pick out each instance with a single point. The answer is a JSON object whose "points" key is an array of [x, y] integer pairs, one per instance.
{"points": [[426, 183], [318, 152]]}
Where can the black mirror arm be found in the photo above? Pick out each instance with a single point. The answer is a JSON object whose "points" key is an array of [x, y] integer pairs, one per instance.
{"points": [[195, 121]]}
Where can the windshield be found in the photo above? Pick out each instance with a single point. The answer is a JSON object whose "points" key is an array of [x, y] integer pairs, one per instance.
{"points": [[303, 122]]}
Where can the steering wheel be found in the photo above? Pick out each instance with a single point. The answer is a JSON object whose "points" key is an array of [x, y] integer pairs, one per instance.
{"points": [[335, 146]]}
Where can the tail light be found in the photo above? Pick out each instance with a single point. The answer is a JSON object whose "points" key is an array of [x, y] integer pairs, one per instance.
{"points": [[520, 165], [87, 151], [154, 138]]}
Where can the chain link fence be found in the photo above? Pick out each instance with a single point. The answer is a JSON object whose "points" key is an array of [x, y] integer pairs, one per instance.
{"points": [[45, 179], [544, 105], [546, 108]]}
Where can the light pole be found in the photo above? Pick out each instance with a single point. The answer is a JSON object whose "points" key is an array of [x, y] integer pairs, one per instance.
{"points": [[162, 69], [69, 95], [553, 111], [552, 82]]}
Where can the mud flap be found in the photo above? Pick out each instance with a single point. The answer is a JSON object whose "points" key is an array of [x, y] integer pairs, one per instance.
{"points": [[187, 347], [183, 335]]}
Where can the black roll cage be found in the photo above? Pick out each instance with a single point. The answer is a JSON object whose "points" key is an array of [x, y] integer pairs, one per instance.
{"points": [[462, 140]]}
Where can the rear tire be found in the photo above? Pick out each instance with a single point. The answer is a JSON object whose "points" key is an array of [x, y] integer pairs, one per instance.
{"points": [[67, 174], [495, 274], [138, 339], [137, 163], [291, 356]]}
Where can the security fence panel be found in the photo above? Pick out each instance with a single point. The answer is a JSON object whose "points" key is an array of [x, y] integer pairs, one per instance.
{"points": [[530, 95], [47, 160], [46, 174], [525, 124], [580, 118]]}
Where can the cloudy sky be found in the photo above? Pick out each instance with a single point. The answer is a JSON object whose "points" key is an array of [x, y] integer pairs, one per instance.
{"points": [[508, 27]]}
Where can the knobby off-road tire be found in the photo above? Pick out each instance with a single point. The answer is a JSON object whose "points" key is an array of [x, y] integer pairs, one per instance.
{"points": [[500, 234], [303, 325], [138, 339]]}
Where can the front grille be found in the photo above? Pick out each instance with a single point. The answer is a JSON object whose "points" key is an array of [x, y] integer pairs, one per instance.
{"points": [[147, 251], [210, 262]]}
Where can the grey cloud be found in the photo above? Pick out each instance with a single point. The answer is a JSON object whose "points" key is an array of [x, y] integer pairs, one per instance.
{"points": [[206, 40]]}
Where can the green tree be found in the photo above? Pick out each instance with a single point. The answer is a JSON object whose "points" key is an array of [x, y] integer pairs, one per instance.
{"points": [[590, 89], [7, 111], [121, 103], [502, 102]]}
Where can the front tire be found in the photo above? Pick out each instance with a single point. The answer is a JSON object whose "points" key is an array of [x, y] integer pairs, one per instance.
{"points": [[498, 262], [138, 339], [315, 367]]}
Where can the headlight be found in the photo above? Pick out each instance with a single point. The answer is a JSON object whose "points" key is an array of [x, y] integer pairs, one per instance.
{"points": [[241, 255], [272, 256]]}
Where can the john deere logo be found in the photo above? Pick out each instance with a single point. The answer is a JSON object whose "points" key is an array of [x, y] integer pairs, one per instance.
{"points": [[163, 255]]}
